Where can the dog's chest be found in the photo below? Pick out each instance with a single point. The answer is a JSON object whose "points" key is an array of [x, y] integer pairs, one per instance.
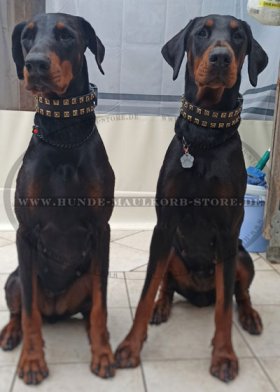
{"points": [[55, 177]]}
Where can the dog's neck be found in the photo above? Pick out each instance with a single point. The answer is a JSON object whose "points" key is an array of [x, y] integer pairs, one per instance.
{"points": [[222, 99], [77, 87]]}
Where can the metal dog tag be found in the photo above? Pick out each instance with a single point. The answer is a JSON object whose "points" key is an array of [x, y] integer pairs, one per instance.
{"points": [[187, 160]]}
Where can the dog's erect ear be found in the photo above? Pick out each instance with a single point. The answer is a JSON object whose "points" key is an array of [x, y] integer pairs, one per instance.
{"points": [[173, 51], [17, 49], [94, 43], [257, 58]]}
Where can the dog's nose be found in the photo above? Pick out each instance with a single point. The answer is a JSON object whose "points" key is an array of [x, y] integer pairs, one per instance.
{"points": [[37, 64], [220, 57]]}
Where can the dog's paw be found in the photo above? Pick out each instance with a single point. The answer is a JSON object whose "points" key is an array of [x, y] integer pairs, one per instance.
{"points": [[225, 368], [127, 355], [103, 363], [10, 335], [32, 367], [251, 321], [161, 312]]}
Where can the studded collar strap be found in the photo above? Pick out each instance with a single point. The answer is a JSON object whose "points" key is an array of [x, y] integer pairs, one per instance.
{"points": [[67, 107], [211, 118]]}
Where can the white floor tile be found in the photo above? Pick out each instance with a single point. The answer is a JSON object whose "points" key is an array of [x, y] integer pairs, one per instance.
{"points": [[265, 288], [139, 241], [77, 377], [272, 366], [261, 264], [8, 258], [123, 258], [8, 235], [254, 255], [3, 279], [7, 374], [4, 242], [117, 294], [142, 268], [67, 341], [275, 266], [135, 282], [187, 334], [268, 343], [118, 234], [193, 375]]}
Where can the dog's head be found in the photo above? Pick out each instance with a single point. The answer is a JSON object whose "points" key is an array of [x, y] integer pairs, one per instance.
{"points": [[216, 47], [49, 51]]}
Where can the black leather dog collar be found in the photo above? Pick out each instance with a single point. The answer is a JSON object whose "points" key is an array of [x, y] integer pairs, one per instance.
{"points": [[80, 139], [67, 107], [211, 118]]}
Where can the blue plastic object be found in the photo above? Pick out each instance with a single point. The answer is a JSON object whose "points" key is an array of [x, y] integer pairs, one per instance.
{"points": [[255, 176], [252, 227]]}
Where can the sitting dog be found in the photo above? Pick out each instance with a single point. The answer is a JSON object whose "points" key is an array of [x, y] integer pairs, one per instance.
{"points": [[63, 241], [195, 249]]}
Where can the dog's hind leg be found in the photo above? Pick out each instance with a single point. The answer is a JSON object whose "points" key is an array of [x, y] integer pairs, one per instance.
{"points": [[11, 334], [248, 317]]}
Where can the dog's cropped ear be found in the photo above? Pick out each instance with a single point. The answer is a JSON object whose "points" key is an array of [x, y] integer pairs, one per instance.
{"points": [[94, 43], [173, 51], [17, 49], [257, 58]]}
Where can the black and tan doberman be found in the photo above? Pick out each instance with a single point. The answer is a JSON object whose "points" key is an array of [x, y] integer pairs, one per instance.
{"points": [[195, 249], [63, 198]]}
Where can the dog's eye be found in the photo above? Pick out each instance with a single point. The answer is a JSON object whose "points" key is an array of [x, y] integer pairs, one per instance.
{"points": [[27, 39], [203, 33], [63, 35], [28, 35], [237, 36]]}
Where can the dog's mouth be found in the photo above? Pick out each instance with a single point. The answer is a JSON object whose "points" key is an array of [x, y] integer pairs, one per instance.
{"points": [[46, 84], [43, 86], [217, 81]]}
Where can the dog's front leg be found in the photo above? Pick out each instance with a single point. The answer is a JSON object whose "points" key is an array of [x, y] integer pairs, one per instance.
{"points": [[103, 363], [224, 364], [32, 367], [128, 352]]}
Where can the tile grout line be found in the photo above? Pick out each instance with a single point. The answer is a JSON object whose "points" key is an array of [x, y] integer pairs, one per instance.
{"points": [[13, 380], [5, 245], [129, 235], [127, 293], [260, 258], [269, 263], [187, 359], [6, 239], [238, 329], [136, 268], [130, 247], [266, 374], [131, 313], [274, 269]]}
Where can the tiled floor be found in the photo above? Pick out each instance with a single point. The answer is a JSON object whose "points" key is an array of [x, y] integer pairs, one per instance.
{"points": [[176, 356]]}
